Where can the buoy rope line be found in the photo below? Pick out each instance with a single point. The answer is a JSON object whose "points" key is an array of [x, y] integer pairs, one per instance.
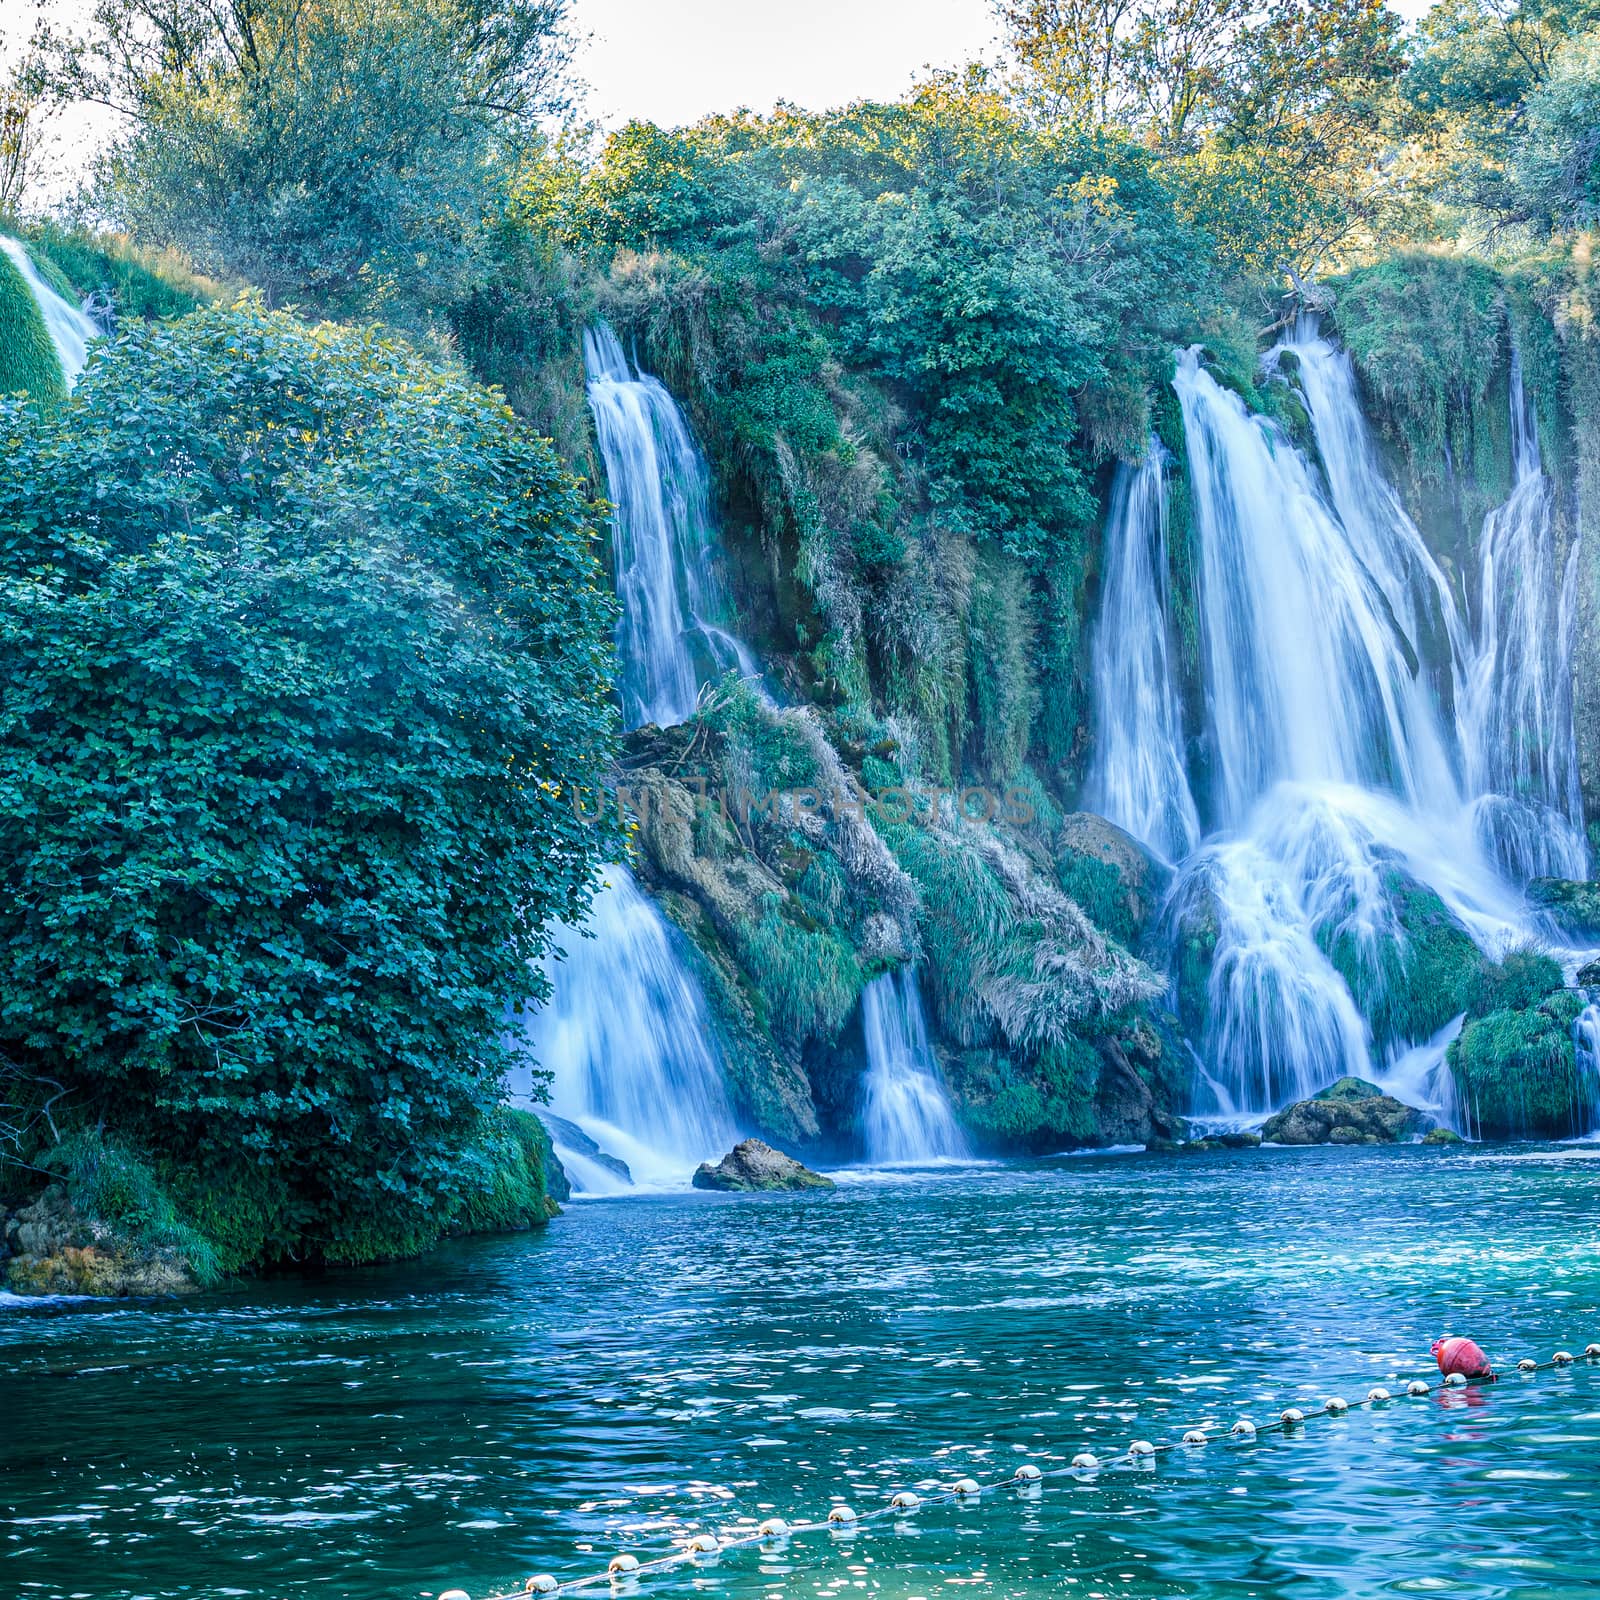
{"points": [[964, 1491]]}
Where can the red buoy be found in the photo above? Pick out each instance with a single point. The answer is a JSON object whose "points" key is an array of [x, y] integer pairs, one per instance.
{"points": [[1463, 1356]]}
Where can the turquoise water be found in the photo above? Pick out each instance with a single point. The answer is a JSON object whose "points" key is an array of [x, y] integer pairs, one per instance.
{"points": [[655, 1366]]}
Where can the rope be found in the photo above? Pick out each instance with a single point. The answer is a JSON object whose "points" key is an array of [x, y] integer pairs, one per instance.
{"points": [[964, 1491]]}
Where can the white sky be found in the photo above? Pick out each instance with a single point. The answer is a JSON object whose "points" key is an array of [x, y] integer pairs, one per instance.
{"points": [[672, 61]]}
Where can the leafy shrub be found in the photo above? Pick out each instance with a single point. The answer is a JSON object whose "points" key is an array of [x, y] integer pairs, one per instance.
{"points": [[303, 645]]}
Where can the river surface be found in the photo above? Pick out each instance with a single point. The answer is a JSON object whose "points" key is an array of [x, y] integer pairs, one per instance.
{"points": [[654, 1366]]}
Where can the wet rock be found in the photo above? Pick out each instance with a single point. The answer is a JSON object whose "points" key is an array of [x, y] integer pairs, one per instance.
{"points": [[1441, 1136], [754, 1167], [1589, 976], [569, 1136], [55, 1249], [1351, 1111], [1240, 1141], [1574, 908]]}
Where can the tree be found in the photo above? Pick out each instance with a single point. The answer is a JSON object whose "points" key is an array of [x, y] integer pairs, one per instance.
{"points": [[303, 648], [24, 105], [1274, 118], [338, 153]]}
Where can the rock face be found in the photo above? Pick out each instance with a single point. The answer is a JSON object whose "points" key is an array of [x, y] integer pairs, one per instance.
{"points": [[754, 1167], [56, 1250], [1351, 1111]]}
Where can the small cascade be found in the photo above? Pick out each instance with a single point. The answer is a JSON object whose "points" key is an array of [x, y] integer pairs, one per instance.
{"points": [[1421, 1077], [69, 329], [1137, 778], [627, 1039], [1517, 718], [905, 1113], [1586, 1049], [673, 635]]}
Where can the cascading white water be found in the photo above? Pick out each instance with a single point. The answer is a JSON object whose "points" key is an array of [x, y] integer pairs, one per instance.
{"points": [[1137, 777], [1332, 652], [905, 1114], [626, 1032], [1586, 1050], [628, 1040], [673, 635], [1517, 715], [69, 329]]}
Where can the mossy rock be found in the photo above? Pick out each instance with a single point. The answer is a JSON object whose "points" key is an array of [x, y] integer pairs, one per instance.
{"points": [[1117, 882], [753, 1167], [1409, 985], [1574, 908], [1516, 1071], [1441, 1136], [1351, 1111]]}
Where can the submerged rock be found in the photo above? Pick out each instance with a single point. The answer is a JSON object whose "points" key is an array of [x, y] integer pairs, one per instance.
{"points": [[55, 1249], [1351, 1111], [752, 1167]]}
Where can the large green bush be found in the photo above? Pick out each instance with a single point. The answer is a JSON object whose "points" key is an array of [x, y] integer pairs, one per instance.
{"points": [[303, 645]]}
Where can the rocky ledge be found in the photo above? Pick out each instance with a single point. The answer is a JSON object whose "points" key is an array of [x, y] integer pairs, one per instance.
{"points": [[1351, 1111], [49, 1247], [753, 1167]]}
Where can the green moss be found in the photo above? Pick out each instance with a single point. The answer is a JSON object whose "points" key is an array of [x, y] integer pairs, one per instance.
{"points": [[1412, 977], [1428, 337], [1043, 1104], [506, 1188], [113, 1184], [809, 978], [1517, 1075], [28, 360]]}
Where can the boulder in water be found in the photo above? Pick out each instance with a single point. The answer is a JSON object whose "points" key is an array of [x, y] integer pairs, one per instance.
{"points": [[1351, 1111], [1589, 975], [752, 1167], [55, 1249], [1517, 1074]]}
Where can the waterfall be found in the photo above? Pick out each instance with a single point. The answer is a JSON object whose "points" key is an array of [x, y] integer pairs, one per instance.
{"points": [[1137, 778], [1357, 732], [1517, 720], [69, 329], [673, 635], [627, 1039], [626, 1032], [905, 1114]]}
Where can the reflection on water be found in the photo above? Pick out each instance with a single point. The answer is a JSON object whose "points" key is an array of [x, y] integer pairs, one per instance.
{"points": [[653, 1366]]}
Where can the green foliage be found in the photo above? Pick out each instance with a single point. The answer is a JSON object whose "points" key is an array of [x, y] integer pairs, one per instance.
{"points": [[809, 978], [1520, 980], [110, 1183], [501, 1185], [28, 360], [303, 645], [1429, 339], [341, 154], [1516, 1071], [135, 282], [1045, 1105]]}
